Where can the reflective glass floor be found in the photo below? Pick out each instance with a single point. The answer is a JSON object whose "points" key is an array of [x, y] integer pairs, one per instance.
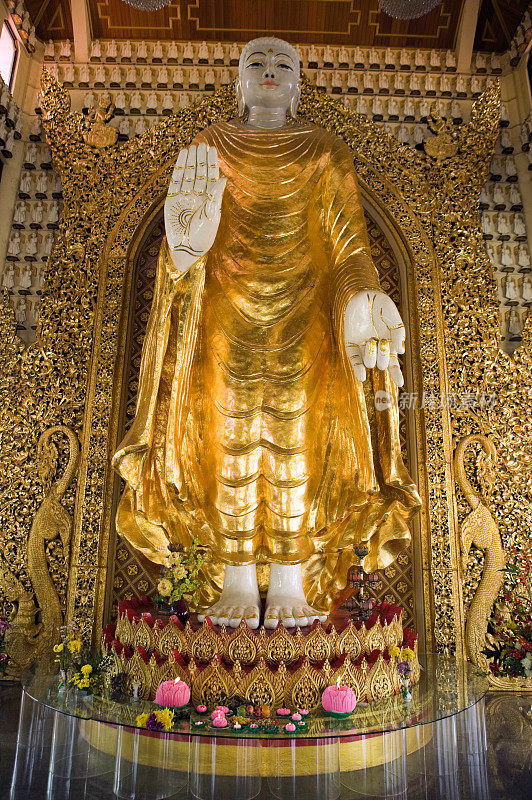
{"points": [[483, 751]]}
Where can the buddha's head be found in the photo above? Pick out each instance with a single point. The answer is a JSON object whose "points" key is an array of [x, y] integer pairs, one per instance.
{"points": [[268, 76]]}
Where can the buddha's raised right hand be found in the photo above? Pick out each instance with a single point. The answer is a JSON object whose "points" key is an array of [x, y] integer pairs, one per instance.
{"points": [[193, 205]]}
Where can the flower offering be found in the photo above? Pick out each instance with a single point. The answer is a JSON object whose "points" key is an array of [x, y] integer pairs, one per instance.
{"points": [[338, 701], [172, 694]]}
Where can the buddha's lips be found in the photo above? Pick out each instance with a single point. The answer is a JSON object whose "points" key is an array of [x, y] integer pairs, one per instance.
{"points": [[269, 83]]}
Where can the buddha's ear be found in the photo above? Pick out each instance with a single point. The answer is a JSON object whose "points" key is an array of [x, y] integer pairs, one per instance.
{"points": [[294, 102], [241, 105]]}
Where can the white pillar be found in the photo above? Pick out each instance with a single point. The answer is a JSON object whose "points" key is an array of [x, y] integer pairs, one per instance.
{"points": [[82, 31], [466, 35]]}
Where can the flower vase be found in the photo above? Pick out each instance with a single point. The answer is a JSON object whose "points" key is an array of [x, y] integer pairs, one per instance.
{"points": [[407, 691], [163, 608], [62, 681], [181, 610]]}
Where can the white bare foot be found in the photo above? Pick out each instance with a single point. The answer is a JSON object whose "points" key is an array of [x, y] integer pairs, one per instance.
{"points": [[239, 599], [286, 600]]}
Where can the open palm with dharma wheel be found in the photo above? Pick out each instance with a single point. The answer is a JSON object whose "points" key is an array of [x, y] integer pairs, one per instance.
{"points": [[193, 205]]}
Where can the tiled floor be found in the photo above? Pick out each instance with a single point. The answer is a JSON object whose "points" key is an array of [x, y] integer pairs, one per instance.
{"points": [[509, 756]]}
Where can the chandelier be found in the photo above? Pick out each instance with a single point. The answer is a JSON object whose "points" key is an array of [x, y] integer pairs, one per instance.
{"points": [[148, 5], [407, 9]]}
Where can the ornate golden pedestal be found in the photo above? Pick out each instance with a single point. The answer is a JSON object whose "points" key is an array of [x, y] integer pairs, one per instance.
{"points": [[274, 668]]}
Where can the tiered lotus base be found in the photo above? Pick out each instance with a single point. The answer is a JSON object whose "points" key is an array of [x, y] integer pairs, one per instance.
{"points": [[264, 668]]}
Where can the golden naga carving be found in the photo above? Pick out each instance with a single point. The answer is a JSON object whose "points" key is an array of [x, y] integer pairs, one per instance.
{"points": [[28, 640], [481, 530]]}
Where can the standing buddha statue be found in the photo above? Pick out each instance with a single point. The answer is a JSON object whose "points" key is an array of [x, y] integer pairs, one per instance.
{"points": [[268, 342]]}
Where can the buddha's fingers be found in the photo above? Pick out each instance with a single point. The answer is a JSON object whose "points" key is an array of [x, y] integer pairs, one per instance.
{"points": [[214, 203], [383, 354], [213, 170], [190, 171], [395, 371], [398, 335], [200, 183], [355, 353], [177, 174], [370, 354]]}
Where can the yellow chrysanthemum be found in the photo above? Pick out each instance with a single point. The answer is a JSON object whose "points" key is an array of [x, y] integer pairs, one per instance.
{"points": [[179, 572], [165, 717], [86, 669], [164, 587], [58, 648], [84, 683], [74, 646], [142, 720], [394, 652], [408, 653]]}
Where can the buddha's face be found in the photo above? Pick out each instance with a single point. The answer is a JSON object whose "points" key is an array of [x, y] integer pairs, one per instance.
{"points": [[269, 74]]}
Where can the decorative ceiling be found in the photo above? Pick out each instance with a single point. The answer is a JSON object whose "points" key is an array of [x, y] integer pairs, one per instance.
{"points": [[52, 18], [335, 22]]}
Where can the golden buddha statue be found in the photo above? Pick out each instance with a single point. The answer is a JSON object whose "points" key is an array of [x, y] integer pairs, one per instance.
{"points": [[256, 428]]}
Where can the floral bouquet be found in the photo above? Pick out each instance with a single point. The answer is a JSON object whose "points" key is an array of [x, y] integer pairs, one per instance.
{"points": [[4, 626], [160, 720], [67, 653], [404, 667], [510, 631], [180, 574], [79, 666]]}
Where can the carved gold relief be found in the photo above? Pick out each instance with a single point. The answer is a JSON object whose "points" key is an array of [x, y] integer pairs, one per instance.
{"points": [[246, 646], [481, 530]]}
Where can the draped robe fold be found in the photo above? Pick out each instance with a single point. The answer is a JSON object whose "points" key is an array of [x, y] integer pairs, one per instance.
{"points": [[251, 430]]}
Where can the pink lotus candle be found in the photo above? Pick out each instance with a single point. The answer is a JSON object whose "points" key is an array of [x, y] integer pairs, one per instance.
{"points": [[172, 694], [201, 709], [296, 717], [220, 722], [338, 700], [290, 728], [283, 712]]}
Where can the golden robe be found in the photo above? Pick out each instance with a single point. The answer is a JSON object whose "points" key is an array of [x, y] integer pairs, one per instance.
{"points": [[251, 430]]}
